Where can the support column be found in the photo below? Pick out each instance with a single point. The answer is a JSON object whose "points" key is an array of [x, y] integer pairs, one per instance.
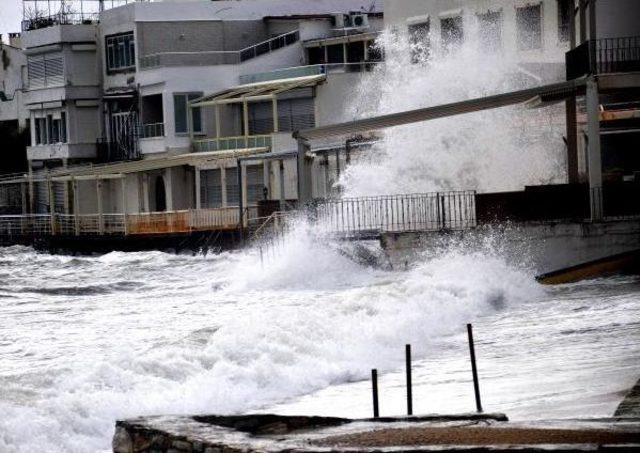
{"points": [[572, 141], [305, 194], [198, 188], [23, 196], [283, 199], [145, 192], [223, 186], [67, 207], [218, 121], [52, 206], [245, 117], [124, 202], [100, 213], [595, 155], [274, 107], [168, 184], [76, 207], [243, 185], [266, 176], [32, 198]]}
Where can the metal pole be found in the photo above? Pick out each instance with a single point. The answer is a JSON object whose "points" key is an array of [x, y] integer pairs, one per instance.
{"points": [[474, 370], [407, 353], [374, 388]]}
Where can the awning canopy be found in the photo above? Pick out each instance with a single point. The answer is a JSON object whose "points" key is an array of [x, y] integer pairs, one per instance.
{"points": [[546, 93], [259, 91], [120, 169]]}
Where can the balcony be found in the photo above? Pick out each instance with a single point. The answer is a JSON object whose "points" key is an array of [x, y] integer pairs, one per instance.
{"points": [[218, 57], [230, 143], [604, 56]]}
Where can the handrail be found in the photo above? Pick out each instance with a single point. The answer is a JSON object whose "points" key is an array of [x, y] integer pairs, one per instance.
{"points": [[238, 56]]}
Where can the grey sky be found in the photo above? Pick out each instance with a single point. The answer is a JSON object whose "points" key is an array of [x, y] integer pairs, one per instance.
{"points": [[10, 16]]}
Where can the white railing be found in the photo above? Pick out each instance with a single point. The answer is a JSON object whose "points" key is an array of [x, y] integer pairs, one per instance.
{"points": [[152, 130], [229, 143], [218, 57], [184, 221]]}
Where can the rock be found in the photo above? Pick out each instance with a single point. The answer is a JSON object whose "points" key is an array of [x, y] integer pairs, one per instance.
{"points": [[122, 442]]}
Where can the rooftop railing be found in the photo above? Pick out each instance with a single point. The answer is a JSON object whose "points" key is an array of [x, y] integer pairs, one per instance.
{"points": [[59, 19], [604, 56], [218, 57]]}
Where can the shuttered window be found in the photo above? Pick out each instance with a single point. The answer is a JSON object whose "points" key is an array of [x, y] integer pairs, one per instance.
{"points": [[293, 115], [233, 193], [255, 183], [45, 71], [211, 188]]}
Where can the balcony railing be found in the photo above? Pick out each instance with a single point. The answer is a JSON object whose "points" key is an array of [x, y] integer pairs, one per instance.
{"points": [[604, 56], [152, 130], [229, 143], [309, 70], [218, 57]]}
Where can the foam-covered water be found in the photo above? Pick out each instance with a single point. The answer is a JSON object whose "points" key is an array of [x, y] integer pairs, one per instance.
{"points": [[85, 341]]}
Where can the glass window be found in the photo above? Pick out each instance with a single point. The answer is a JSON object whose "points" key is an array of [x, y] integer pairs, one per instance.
{"points": [[120, 52], [529, 27], [419, 41], [451, 31], [564, 19], [180, 113], [490, 30]]}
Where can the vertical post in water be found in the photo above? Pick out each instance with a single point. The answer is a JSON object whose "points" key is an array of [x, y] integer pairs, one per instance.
{"points": [[407, 353], [374, 389], [474, 370]]}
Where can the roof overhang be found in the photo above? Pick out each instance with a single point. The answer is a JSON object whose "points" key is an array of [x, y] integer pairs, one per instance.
{"points": [[255, 92], [358, 37], [552, 92]]}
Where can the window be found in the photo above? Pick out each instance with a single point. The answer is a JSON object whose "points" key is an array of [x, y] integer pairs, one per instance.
{"points": [[233, 191], [45, 71], [211, 188], [564, 19], [419, 41], [529, 27], [490, 30], [451, 31], [50, 130], [121, 54], [180, 113], [335, 53]]}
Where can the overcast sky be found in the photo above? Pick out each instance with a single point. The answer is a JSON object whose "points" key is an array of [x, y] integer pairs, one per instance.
{"points": [[10, 16]]}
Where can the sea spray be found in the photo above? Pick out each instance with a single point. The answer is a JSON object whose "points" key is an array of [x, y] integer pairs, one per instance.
{"points": [[493, 150]]}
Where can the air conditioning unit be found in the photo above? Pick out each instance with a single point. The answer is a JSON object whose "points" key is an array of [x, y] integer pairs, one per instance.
{"points": [[358, 20], [341, 20]]}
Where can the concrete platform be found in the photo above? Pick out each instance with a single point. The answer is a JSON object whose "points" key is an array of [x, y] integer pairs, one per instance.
{"points": [[459, 433]]}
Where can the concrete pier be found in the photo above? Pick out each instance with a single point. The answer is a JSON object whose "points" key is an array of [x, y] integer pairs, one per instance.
{"points": [[459, 433]]}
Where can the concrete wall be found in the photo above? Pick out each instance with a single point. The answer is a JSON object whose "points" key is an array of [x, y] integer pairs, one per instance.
{"points": [[334, 97], [617, 18], [546, 246], [12, 66]]}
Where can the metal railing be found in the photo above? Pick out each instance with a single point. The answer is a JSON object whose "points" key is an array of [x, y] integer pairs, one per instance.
{"points": [[397, 213], [64, 18], [152, 130], [229, 143], [218, 57], [184, 221], [309, 70], [604, 56]]}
